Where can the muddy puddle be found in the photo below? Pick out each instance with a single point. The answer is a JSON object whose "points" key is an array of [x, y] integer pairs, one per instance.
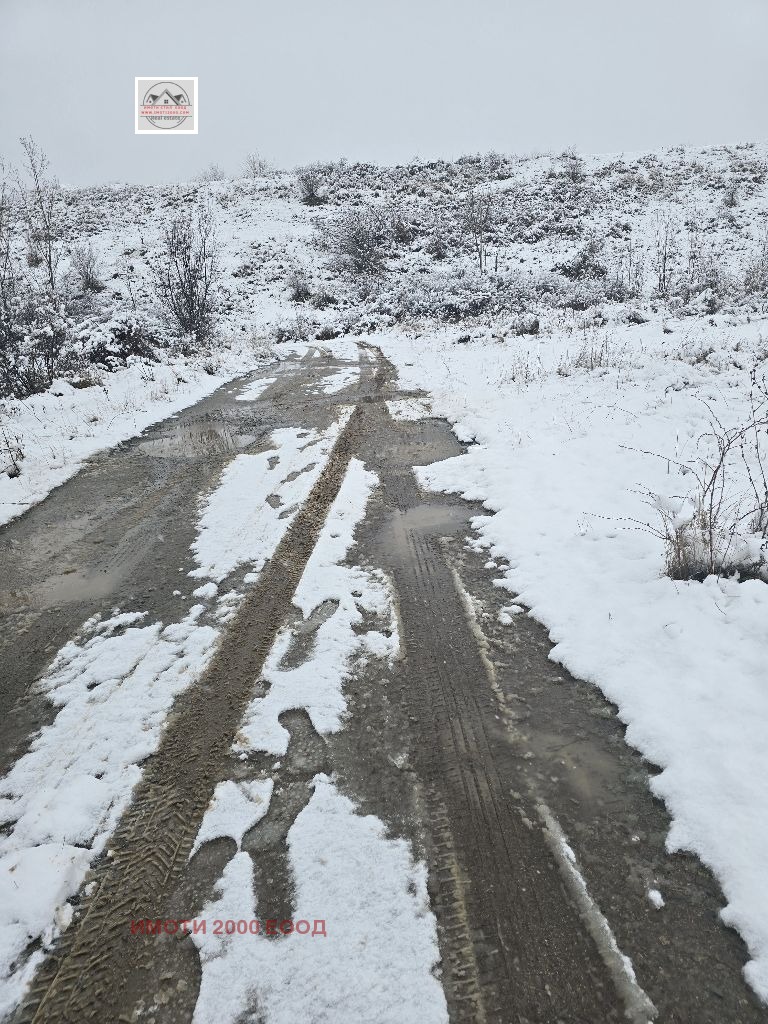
{"points": [[193, 440]]}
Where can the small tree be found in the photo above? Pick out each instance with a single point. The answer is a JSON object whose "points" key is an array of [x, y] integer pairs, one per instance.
{"points": [[187, 273], [39, 205], [478, 218], [666, 250], [211, 173], [11, 325]]}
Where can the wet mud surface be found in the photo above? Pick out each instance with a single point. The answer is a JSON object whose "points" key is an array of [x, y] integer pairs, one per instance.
{"points": [[457, 746]]}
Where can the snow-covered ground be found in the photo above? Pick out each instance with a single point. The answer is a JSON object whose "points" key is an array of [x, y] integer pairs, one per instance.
{"points": [[571, 468], [373, 964]]}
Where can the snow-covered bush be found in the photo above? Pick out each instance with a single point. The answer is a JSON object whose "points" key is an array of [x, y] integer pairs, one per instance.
{"points": [[586, 264], [298, 285], [358, 240], [255, 166], [85, 265], [112, 343], [300, 328], [453, 293], [312, 185], [38, 346]]}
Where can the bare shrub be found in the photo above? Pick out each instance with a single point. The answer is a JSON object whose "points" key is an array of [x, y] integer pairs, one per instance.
{"points": [[312, 185], [572, 165], [720, 527], [756, 277], [187, 273], [211, 173], [11, 304], [666, 251], [85, 264], [35, 330], [11, 452], [298, 285], [628, 278], [358, 240], [594, 354], [255, 166], [756, 274]]}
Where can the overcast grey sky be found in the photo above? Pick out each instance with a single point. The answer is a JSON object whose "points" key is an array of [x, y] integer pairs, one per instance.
{"points": [[300, 80]]}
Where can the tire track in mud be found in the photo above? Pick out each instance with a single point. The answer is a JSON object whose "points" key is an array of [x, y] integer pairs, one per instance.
{"points": [[85, 978], [514, 946]]}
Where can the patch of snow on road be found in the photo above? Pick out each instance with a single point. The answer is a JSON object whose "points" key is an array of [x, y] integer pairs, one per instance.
{"points": [[409, 409], [254, 390], [338, 380], [656, 898], [638, 1007], [316, 684], [115, 685], [238, 525], [234, 808], [376, 964]]}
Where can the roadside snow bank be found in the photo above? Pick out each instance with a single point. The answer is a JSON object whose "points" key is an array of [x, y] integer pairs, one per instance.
{"points": [[557, 460]]}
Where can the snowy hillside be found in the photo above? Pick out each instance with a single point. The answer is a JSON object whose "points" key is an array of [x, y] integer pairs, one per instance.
{"points": [[575, 252]]}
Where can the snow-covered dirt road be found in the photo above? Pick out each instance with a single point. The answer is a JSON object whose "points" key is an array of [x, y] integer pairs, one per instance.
{"points": [[278, 749]]}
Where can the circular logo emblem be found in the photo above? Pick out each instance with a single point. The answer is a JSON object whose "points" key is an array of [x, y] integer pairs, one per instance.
{"points": [[166, 105]]}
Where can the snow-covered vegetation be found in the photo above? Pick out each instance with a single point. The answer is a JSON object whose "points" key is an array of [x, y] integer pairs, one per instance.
{"points": [[100, 279]]}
